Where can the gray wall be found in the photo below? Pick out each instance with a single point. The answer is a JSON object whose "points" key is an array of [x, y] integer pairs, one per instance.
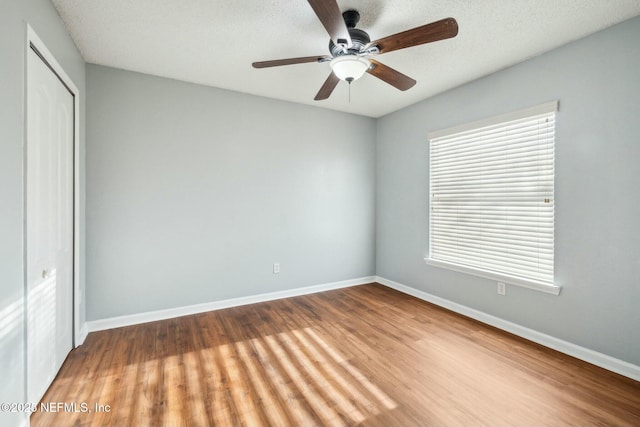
{"points": [[597, 191], [194, 192], [14, 14]]}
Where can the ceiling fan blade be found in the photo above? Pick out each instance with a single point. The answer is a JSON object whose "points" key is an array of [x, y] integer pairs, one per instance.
{"points": [[327, 87], [290, 61], [329, 14], [439, 30], [391, 76]]}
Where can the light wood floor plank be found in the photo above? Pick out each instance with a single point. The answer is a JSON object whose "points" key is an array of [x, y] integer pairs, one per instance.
{"points": [[366, 356]]}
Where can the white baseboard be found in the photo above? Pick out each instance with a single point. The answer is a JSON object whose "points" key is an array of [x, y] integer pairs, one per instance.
{"points": [[599, 359], [152, 316]]}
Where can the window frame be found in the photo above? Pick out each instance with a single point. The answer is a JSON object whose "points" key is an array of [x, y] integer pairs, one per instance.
{"points": [[550, 288]]}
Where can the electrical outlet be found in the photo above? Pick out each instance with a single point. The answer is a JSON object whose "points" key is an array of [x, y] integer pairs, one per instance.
{"points": [[276, 267], [502, 288]]}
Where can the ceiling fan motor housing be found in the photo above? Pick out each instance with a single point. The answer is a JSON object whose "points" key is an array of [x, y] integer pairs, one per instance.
{"points": [[359, 39]]}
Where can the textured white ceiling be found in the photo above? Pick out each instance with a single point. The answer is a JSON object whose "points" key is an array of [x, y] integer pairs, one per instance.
{"points": [[214, 42]]}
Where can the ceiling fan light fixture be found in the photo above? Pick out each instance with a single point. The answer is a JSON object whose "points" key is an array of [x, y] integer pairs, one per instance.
{"points": [[349, 67]]}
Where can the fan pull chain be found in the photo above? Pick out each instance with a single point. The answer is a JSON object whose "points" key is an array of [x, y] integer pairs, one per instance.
{"points": [[349, 80]]}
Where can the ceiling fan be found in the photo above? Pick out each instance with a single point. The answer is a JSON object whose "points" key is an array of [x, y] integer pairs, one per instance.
{"points": [[351, 48]]}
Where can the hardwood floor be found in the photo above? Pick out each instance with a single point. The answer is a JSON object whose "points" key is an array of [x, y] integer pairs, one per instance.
{"points": [[365, 355]]}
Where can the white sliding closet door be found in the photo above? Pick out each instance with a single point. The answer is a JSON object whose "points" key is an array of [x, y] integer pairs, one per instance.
{"points": [[49, 224]]}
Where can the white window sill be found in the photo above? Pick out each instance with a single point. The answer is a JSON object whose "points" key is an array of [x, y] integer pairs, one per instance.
{"points": [[529, 284]]}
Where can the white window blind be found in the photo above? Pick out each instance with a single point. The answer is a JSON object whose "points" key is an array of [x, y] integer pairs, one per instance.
{"points": [[492, 195]]}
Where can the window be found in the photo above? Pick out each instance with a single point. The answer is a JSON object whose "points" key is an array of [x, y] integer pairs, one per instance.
{"points": [[492, 199]]}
